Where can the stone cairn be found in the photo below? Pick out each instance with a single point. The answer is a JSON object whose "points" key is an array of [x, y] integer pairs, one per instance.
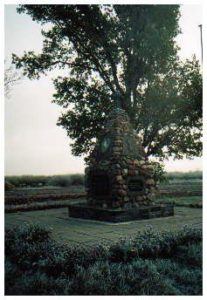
{"points": [[118, 174]]}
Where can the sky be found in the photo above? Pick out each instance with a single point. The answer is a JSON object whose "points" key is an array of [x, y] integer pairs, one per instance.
{"points": [[34, 144]]}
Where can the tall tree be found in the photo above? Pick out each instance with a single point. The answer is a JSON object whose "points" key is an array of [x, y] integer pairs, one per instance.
{"points": [[11, 77], [126, 48]]}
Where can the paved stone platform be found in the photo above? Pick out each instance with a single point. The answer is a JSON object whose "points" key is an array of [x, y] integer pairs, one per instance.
{"points": [[116, 215], [90, 232]]}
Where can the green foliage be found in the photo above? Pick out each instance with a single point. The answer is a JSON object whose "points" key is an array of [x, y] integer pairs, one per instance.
{"points": [[190, 255], [66, 180], [149, 264], [60, 180], [186, 279], [184, 175], [129, 49], [182, 187], [30, 234], [38, 181], [77, 179], [27, 180], [159, 172], [190, 201], [8, 186], [160, 175], [152, 245], [40, 205], [27, 192]]}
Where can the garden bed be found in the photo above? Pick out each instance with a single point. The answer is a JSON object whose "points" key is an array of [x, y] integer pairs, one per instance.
{"points": [[152, 263]]}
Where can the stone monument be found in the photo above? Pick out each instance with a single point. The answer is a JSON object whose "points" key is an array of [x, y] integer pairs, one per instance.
{"points": [[119, 178]]}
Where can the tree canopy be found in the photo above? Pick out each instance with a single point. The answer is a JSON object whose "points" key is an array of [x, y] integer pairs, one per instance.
{"points": [[130, 49], [11, 77]]}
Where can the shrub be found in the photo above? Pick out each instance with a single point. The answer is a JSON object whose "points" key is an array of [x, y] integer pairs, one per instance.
{"points": [[30, 233], [60, 180], [159, 172], [12, 272], [66, 180], [77, 179], [8, 186], [152, 263]]}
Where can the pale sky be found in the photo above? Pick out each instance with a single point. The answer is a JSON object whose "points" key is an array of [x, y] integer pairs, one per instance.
{"points": [[34, 144]]}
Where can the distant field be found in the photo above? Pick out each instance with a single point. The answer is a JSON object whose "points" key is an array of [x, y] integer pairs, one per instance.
{"points": [[41, 198], [184, 175], [24, 195], [192, 201], [78, 179], [182, 187], [32, 192], [40, 181]]}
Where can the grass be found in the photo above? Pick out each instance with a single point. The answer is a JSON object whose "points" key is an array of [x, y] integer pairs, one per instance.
{"points": [[191, 201], [184, 175], [78, 179], [181, 189], [194, 184], [72, 231], [38, 181], [151, 263], [28, 198], [41, 205]]}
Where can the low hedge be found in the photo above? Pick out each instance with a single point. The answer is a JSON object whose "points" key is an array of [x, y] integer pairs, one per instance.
{"points": [[42, 198], [152, 263], [40, 205]]}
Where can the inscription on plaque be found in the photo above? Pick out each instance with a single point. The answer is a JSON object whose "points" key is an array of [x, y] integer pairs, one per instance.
{"points": [[100, 184], [136, 185]]}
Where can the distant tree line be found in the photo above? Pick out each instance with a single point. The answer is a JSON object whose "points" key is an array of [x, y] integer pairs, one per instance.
{"points": [[38, 181]]}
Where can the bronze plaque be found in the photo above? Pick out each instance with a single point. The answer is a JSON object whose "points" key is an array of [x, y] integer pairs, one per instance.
{"points": [[100, 185], [136, 185]]}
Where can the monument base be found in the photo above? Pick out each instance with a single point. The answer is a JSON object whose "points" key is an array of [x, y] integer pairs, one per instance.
{"points": [[84, 211]]}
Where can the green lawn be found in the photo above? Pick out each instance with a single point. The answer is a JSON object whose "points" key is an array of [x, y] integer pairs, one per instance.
{"points": [[181, 201], [181, 185]]}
